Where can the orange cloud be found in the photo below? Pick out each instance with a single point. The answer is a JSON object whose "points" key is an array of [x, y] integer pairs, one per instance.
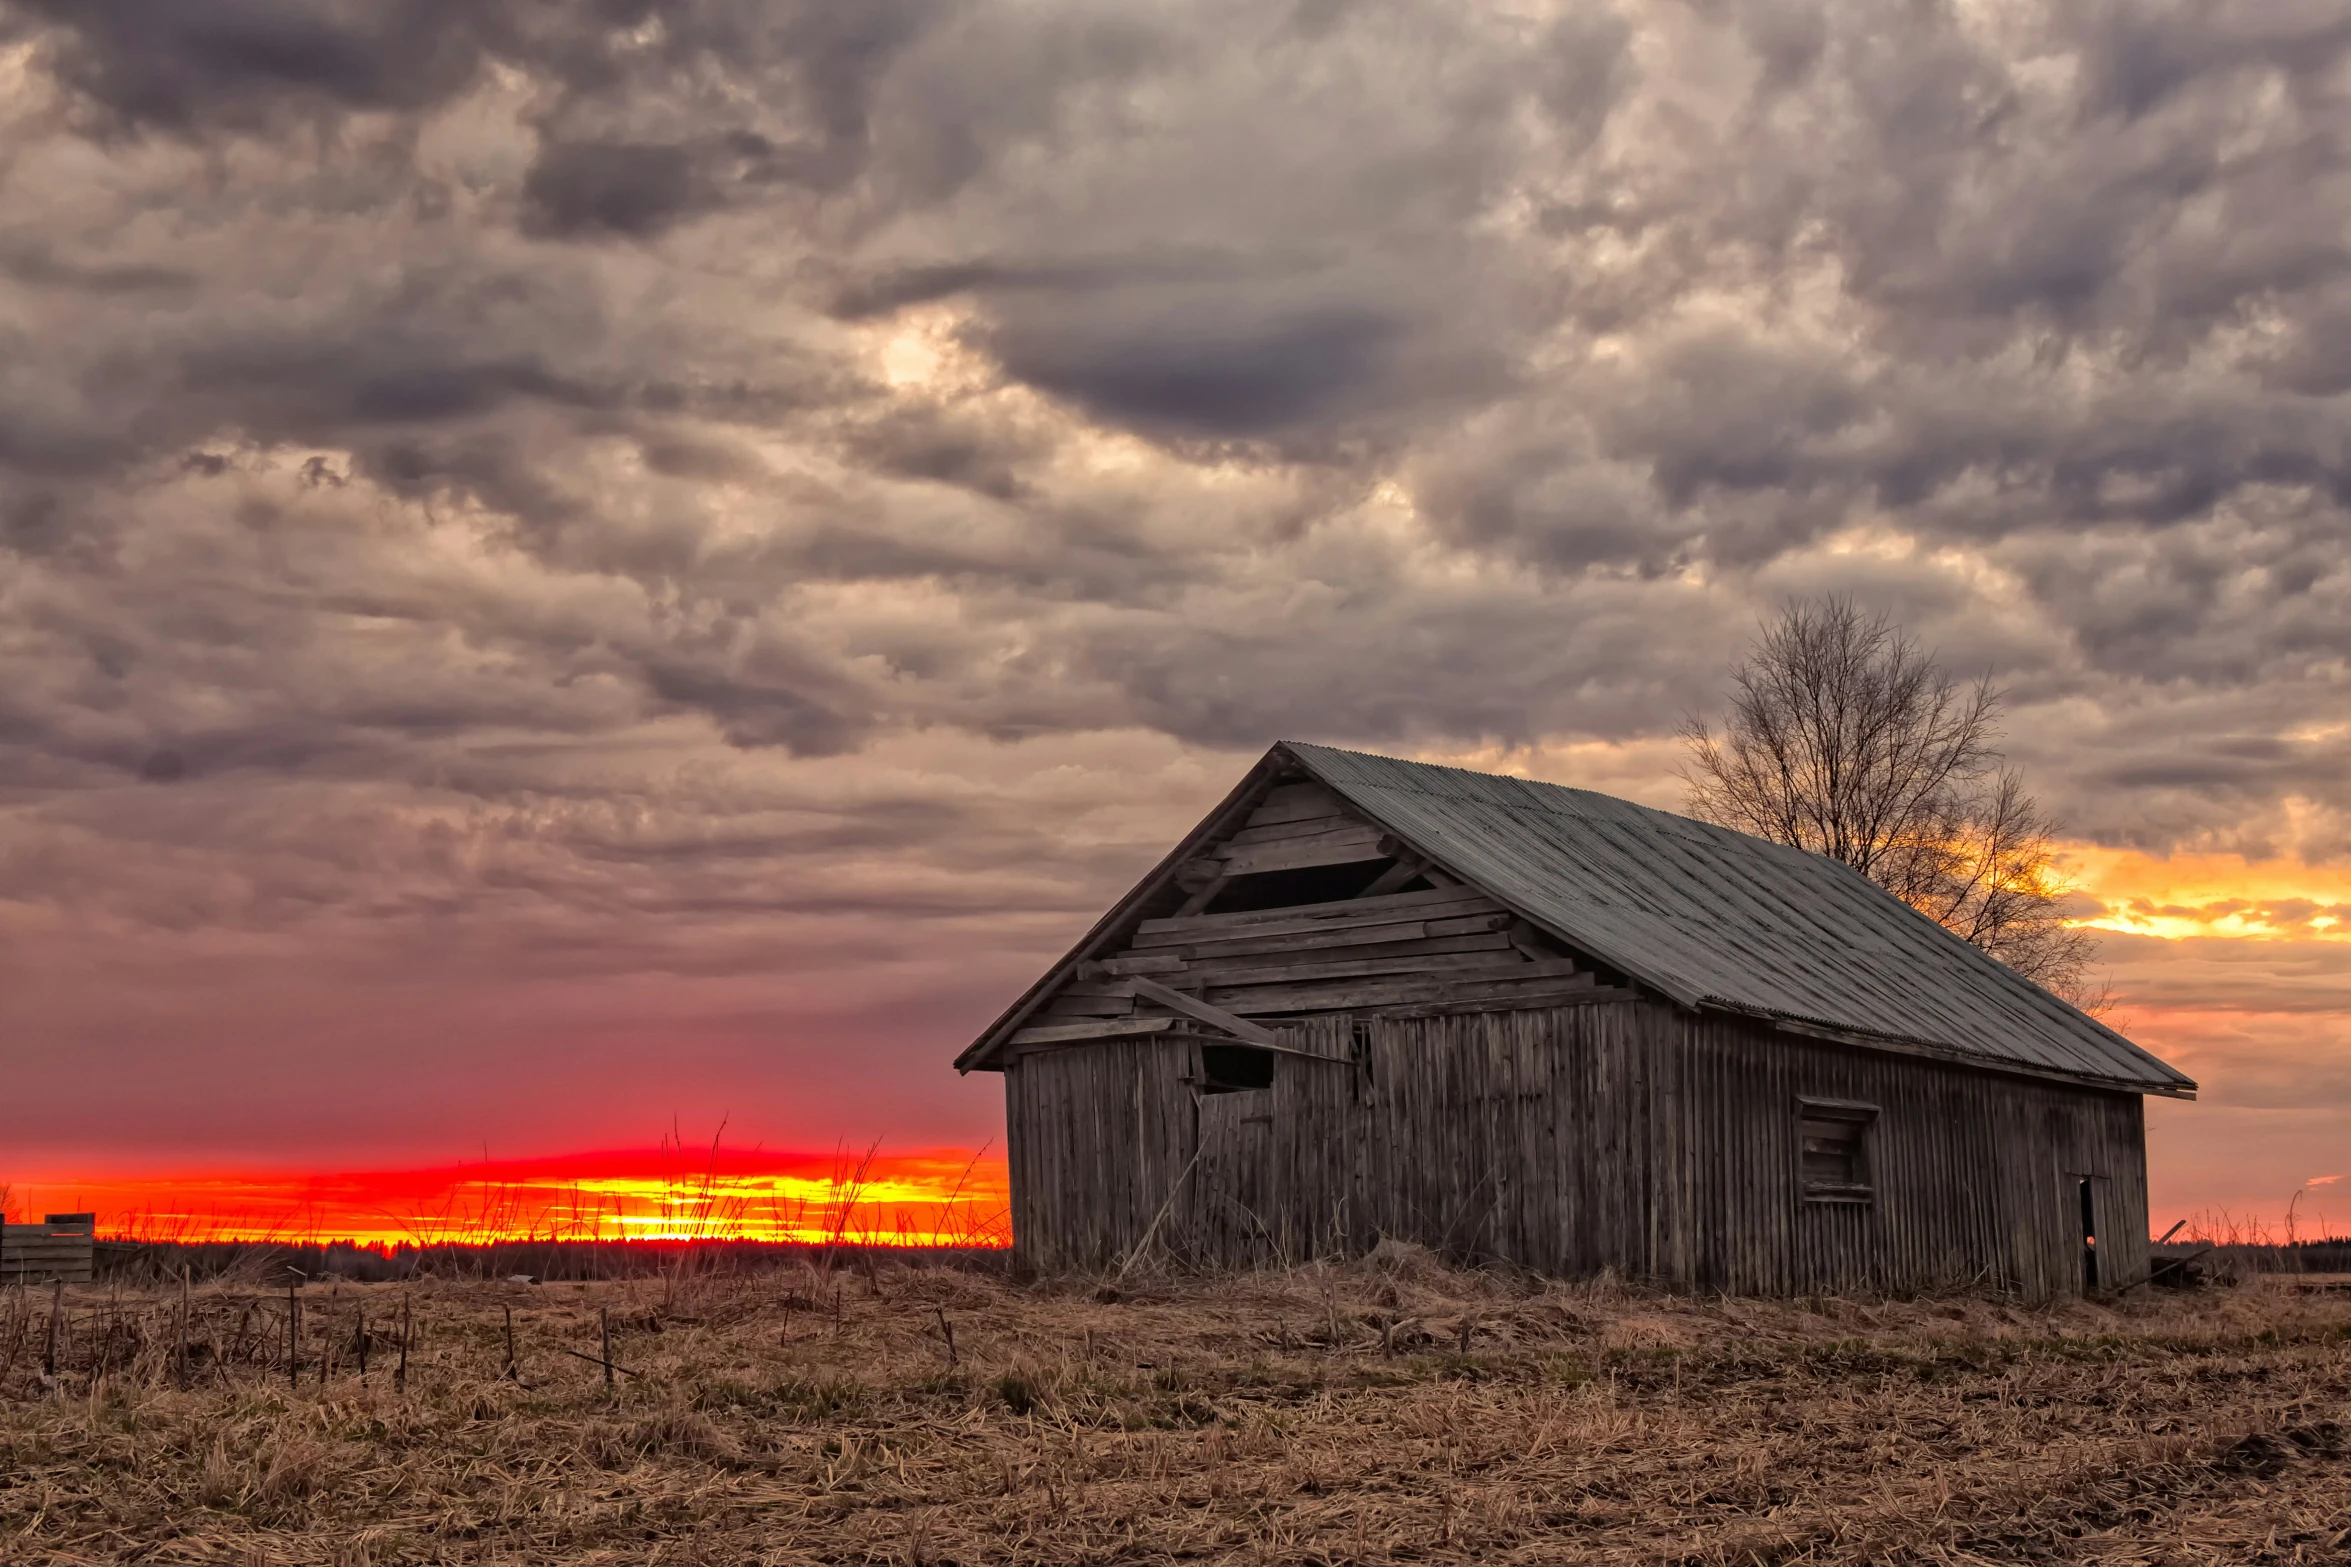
{"points": [[2177, 896]]}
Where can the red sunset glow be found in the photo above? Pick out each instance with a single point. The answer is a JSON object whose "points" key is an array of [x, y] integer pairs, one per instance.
{"points": [[939, 1197]]}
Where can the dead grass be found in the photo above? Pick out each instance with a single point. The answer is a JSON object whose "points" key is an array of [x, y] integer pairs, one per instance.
{"points": [[1326, 1415]]}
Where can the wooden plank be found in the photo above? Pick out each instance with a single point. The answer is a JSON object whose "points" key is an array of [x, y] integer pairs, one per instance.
{"points": [[1104, 1002], [1290, 802], [1221, 962], [1194, 1007], [1111, 1028], [1342, 996], [1306, 827], [1020, 1168], [1318, 940], [1184, 927], [1575, 991], [1139, 963], [1531, 976], [1470, 924], [1325, 925], [1416, 959], [1290, 835], [1344, 847], [1359, 936], [1108, 985]]}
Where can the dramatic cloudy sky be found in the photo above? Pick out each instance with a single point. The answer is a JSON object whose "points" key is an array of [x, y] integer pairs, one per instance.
{"points": [[564, 565]]}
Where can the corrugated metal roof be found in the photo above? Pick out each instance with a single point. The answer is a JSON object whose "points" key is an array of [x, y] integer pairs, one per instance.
{"points": [[1713, 917]]}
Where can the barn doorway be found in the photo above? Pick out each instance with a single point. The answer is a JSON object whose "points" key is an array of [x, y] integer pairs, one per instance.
{"points": [[2087, 1187]]}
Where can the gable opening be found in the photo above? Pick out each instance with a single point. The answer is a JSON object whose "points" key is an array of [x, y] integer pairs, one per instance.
{"points": [[1299, 885], [1235, 1069]]}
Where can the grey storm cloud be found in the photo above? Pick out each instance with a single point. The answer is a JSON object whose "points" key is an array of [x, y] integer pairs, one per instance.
{"points": [[152, 64], [629, 457], [590, 188], [2056, 286]]}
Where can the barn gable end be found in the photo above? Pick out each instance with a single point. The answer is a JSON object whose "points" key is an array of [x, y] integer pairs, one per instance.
{"points": [[1290, 902]]}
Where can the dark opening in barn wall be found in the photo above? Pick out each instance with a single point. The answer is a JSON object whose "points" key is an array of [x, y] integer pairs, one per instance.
{"points": [[2089, 1202], [1833, 1142], [1233, 1069], [1302, 885]]}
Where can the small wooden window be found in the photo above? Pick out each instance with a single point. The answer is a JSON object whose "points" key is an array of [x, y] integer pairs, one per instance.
{"points": [[1233, 1069], [1833, 1142]]}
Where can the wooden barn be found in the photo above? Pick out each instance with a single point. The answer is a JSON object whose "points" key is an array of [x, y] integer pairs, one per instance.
{"points": [[1370, 998]]}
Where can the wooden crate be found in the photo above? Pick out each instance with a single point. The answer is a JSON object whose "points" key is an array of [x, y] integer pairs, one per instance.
{"points": [[63, 1246]]}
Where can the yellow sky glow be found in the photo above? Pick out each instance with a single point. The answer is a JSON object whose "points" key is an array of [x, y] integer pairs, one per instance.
{"points": [[2182, 895]]}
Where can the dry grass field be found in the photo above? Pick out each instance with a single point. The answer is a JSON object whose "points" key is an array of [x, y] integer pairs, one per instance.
{"points": [[1327, 1414]]}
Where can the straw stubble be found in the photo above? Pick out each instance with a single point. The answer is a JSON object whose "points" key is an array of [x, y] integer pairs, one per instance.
{"points": [[1173, 1419]]}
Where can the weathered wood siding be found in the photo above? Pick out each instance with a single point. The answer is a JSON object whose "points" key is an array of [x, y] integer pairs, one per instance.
{"points": [[1103, 1133], [38, 1253], [1383, 947], [1444, 944], [1625, 1135]]}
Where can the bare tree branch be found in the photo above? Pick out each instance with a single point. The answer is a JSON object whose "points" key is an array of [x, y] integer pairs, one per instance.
{"points": [[1846, 739]]}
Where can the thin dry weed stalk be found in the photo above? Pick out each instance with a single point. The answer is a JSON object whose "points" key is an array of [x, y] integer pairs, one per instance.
{"points": [[1322, 1414]]}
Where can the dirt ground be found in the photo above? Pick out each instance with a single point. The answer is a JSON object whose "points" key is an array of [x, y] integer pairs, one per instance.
{"points": [[1384, 1411]]}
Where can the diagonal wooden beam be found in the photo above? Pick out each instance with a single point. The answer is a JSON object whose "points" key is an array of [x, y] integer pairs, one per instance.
{"points": [[1203, 894], [1087, 1033], [1529, 940], [1194, 1007], [1410, 862], [1394, 877], [1132, 963]]}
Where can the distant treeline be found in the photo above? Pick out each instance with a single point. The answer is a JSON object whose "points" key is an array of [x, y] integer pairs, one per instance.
{"points": [[278, 1262]]}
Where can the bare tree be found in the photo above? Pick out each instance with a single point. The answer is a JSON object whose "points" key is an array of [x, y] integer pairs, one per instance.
{"points": [[1846, 739]]}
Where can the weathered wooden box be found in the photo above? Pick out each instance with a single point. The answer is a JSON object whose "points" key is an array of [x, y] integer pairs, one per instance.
{"points": [[62, 1246]]}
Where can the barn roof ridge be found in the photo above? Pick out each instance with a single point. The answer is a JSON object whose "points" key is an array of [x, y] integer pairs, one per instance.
{"points": [[1704, 915]]}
